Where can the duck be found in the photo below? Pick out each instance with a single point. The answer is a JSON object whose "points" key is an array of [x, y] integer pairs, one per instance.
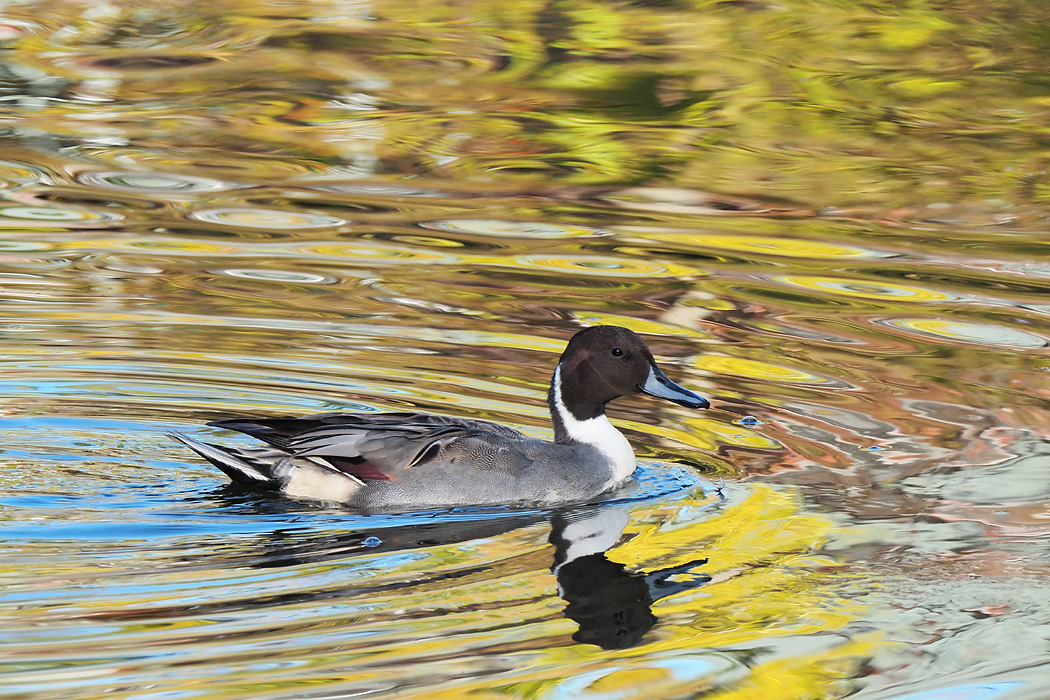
{"points": [[383, 462]]}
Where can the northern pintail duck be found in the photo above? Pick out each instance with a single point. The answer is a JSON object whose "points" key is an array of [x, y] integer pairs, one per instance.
{"points": [[399, 461]]}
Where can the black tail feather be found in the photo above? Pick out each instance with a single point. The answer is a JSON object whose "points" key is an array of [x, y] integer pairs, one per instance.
{"points": [[273, 431], [236, 464]]}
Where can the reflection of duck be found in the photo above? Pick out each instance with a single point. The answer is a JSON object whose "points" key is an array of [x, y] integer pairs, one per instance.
{"points": [[283, 548], [611, 604], [393, 461]]}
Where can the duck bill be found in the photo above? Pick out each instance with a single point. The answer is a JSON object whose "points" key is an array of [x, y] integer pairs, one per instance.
{"points": [[657, 384]]}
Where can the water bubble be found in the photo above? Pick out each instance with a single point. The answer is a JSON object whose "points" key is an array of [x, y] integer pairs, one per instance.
{"points": [[372, 542], [749, 421]]}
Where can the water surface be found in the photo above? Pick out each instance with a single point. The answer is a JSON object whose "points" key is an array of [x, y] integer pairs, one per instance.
{"points": [[831, 220]]}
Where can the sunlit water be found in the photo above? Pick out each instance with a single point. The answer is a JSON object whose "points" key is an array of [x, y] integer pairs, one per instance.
{"points": [[253, 208]]}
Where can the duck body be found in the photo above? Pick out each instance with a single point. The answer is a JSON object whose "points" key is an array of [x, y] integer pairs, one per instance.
{"points": [[399, 461]]}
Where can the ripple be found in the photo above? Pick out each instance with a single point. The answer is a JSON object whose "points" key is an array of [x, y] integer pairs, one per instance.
{"points": [[967, 332], [781, 327], [265, 218], [767, 245], [32, 262], [663, 675], [857, 422], [603, 266], [711, 434], [755, 369], [78, 198], [24, 216], [431, 241], [166, 245], [679, 200], [22, 246], [864, 289], [379, 190], [977, 691], [152, 182], [22, 173], [375, 253], [235, 166], [8, 279], [141, 62], [510, 229], [281, 276], [1032, 268], [14, 29]]}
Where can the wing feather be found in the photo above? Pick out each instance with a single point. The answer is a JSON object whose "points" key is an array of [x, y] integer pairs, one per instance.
{"points": [[367, 446]]}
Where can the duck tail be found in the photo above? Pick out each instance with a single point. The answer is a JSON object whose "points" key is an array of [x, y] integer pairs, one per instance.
{"points": [[248, 467]]}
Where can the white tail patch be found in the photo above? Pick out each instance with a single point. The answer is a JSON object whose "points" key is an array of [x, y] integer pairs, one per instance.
{"points": [[319, 484], [599, 432]]}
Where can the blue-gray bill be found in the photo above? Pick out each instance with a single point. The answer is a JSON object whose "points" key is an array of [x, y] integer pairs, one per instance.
{"points": [[657, 384]]}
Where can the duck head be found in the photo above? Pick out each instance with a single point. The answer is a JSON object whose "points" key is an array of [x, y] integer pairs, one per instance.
{"points": [[603, 363]]}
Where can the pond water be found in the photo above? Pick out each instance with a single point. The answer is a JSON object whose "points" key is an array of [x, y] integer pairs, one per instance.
{"points": [[831, 219]]}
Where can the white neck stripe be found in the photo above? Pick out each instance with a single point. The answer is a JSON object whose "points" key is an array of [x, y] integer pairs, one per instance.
{"points": [[597, 432]]}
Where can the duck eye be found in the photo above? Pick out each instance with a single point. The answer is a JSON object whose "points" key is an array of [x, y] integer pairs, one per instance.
{"points": [[617, 352]]}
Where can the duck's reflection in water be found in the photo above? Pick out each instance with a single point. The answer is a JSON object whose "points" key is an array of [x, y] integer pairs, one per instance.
{"points": [[611, 604]]}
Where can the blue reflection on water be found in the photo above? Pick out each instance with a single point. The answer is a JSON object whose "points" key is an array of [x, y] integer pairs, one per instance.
{"points": [[980, 691]]}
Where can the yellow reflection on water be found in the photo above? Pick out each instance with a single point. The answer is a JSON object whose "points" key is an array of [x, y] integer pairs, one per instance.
{"points": [[755, 369], [864, 289], [704, 433], [373, 253], [768, 623], [185, 245], [969, 332], [768, 245], [767, 583], [602, 266]]}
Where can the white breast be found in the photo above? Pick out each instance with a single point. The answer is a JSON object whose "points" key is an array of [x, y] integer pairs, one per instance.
{"points": [[598, 432]]}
